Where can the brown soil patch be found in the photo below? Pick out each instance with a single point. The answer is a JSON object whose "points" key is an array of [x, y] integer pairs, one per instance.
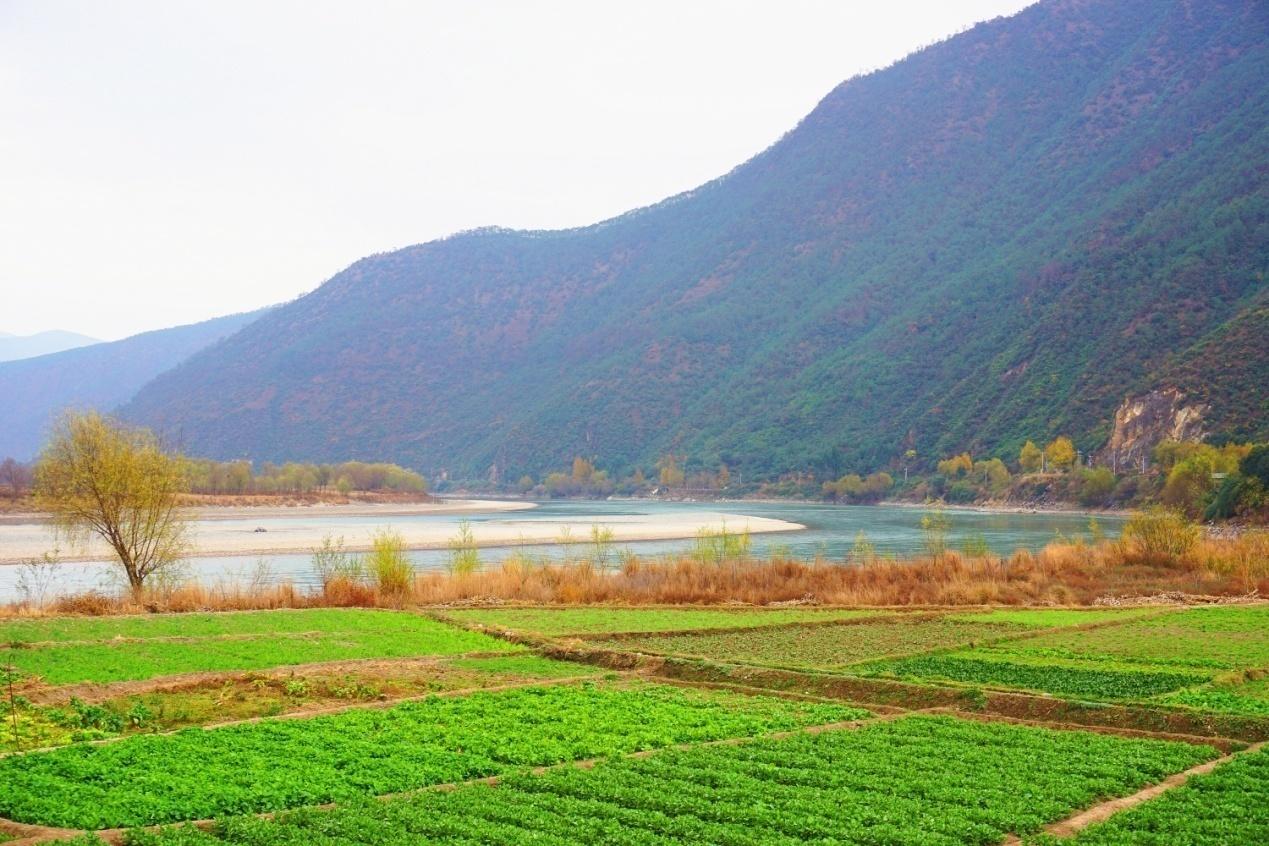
{"points": [[372, 668]]}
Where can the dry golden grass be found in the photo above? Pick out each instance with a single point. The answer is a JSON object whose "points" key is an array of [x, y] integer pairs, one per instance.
{"points": [[1066, 574], [1061, 573]]}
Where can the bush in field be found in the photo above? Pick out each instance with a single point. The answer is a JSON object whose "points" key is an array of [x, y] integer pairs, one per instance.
{"points": [[1159, 534], [389, 568]]}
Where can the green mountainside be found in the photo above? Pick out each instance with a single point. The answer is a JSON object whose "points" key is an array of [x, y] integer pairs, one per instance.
{"points": [[998, 238], [101, 376]]}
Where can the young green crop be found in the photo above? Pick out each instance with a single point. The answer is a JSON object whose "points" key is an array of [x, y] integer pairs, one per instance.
{"points": [[278, 764], [824, 647], [559, 621], [921, 781], [1053, 617], [1060, 678], [272, 692], [1203, 638], [46, 629], [1250, 698], [239, 642], [1227, 806]]}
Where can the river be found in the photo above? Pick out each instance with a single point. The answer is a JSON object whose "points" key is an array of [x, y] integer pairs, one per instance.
{"points": [[830, 532]]}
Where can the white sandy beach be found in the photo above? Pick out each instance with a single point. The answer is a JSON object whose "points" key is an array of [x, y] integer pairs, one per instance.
{"points": [[299, 530]]}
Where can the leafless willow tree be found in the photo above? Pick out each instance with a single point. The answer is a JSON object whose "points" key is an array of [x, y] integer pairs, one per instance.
{"points": [[15, 476]]}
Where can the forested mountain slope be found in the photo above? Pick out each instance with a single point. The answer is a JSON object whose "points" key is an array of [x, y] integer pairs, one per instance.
{"points": [[997, 238], [101, 376]]}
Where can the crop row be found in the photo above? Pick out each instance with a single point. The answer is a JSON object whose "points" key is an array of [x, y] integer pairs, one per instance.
{"points": [[1227, 806], [278, 764], [1060, 678], [825, 647], [919, 780], [141, 659]]}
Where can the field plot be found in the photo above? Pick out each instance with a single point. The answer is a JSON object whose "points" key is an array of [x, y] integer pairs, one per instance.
{"points": [[824, 647], [277, 764], [128, 648], [1066, 678], [1237, 696], [1176, 658], [1229, 805], [95, 629], [267, 693], [918, 780], [1222, 638], [598, 620], [1054, 617]]}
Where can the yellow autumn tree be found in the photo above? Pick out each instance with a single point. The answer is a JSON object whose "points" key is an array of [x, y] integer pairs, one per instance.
{"points": [[1060, 452], [671, 475], [98, 477], [582, 470], [1030, 457]]}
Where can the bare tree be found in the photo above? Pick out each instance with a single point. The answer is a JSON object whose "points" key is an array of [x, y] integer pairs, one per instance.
{"points": [[15, 475]]}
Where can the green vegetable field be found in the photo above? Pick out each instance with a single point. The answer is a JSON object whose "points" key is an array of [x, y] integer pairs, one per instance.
{"points": [[697, 725], [559, 621], [280, 764], [204, 625], [1225, 807], [138, 648], [1219, 638], [917, 780], [1052, 677], [825, 647]]}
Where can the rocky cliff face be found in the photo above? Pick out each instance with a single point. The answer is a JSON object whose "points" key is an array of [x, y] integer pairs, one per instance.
{"points": [[1142, 422]]}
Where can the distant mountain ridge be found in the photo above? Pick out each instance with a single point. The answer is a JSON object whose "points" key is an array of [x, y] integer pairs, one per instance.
{"points": [[16, 347], [998, 238], [101, 376]]}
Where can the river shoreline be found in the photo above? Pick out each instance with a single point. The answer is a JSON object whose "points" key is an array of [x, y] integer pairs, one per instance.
{"points": [[297, 533]]}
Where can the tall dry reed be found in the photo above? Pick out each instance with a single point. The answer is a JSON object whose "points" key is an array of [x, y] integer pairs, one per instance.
{"points": [[1062, 573]]}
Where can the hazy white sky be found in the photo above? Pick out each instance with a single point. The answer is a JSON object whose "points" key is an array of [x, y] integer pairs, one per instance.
{"points": [[164, 162]]}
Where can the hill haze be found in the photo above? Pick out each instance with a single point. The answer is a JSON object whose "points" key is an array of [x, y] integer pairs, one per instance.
{"points": [[15, 347], [101, 376], [998, 238]]}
